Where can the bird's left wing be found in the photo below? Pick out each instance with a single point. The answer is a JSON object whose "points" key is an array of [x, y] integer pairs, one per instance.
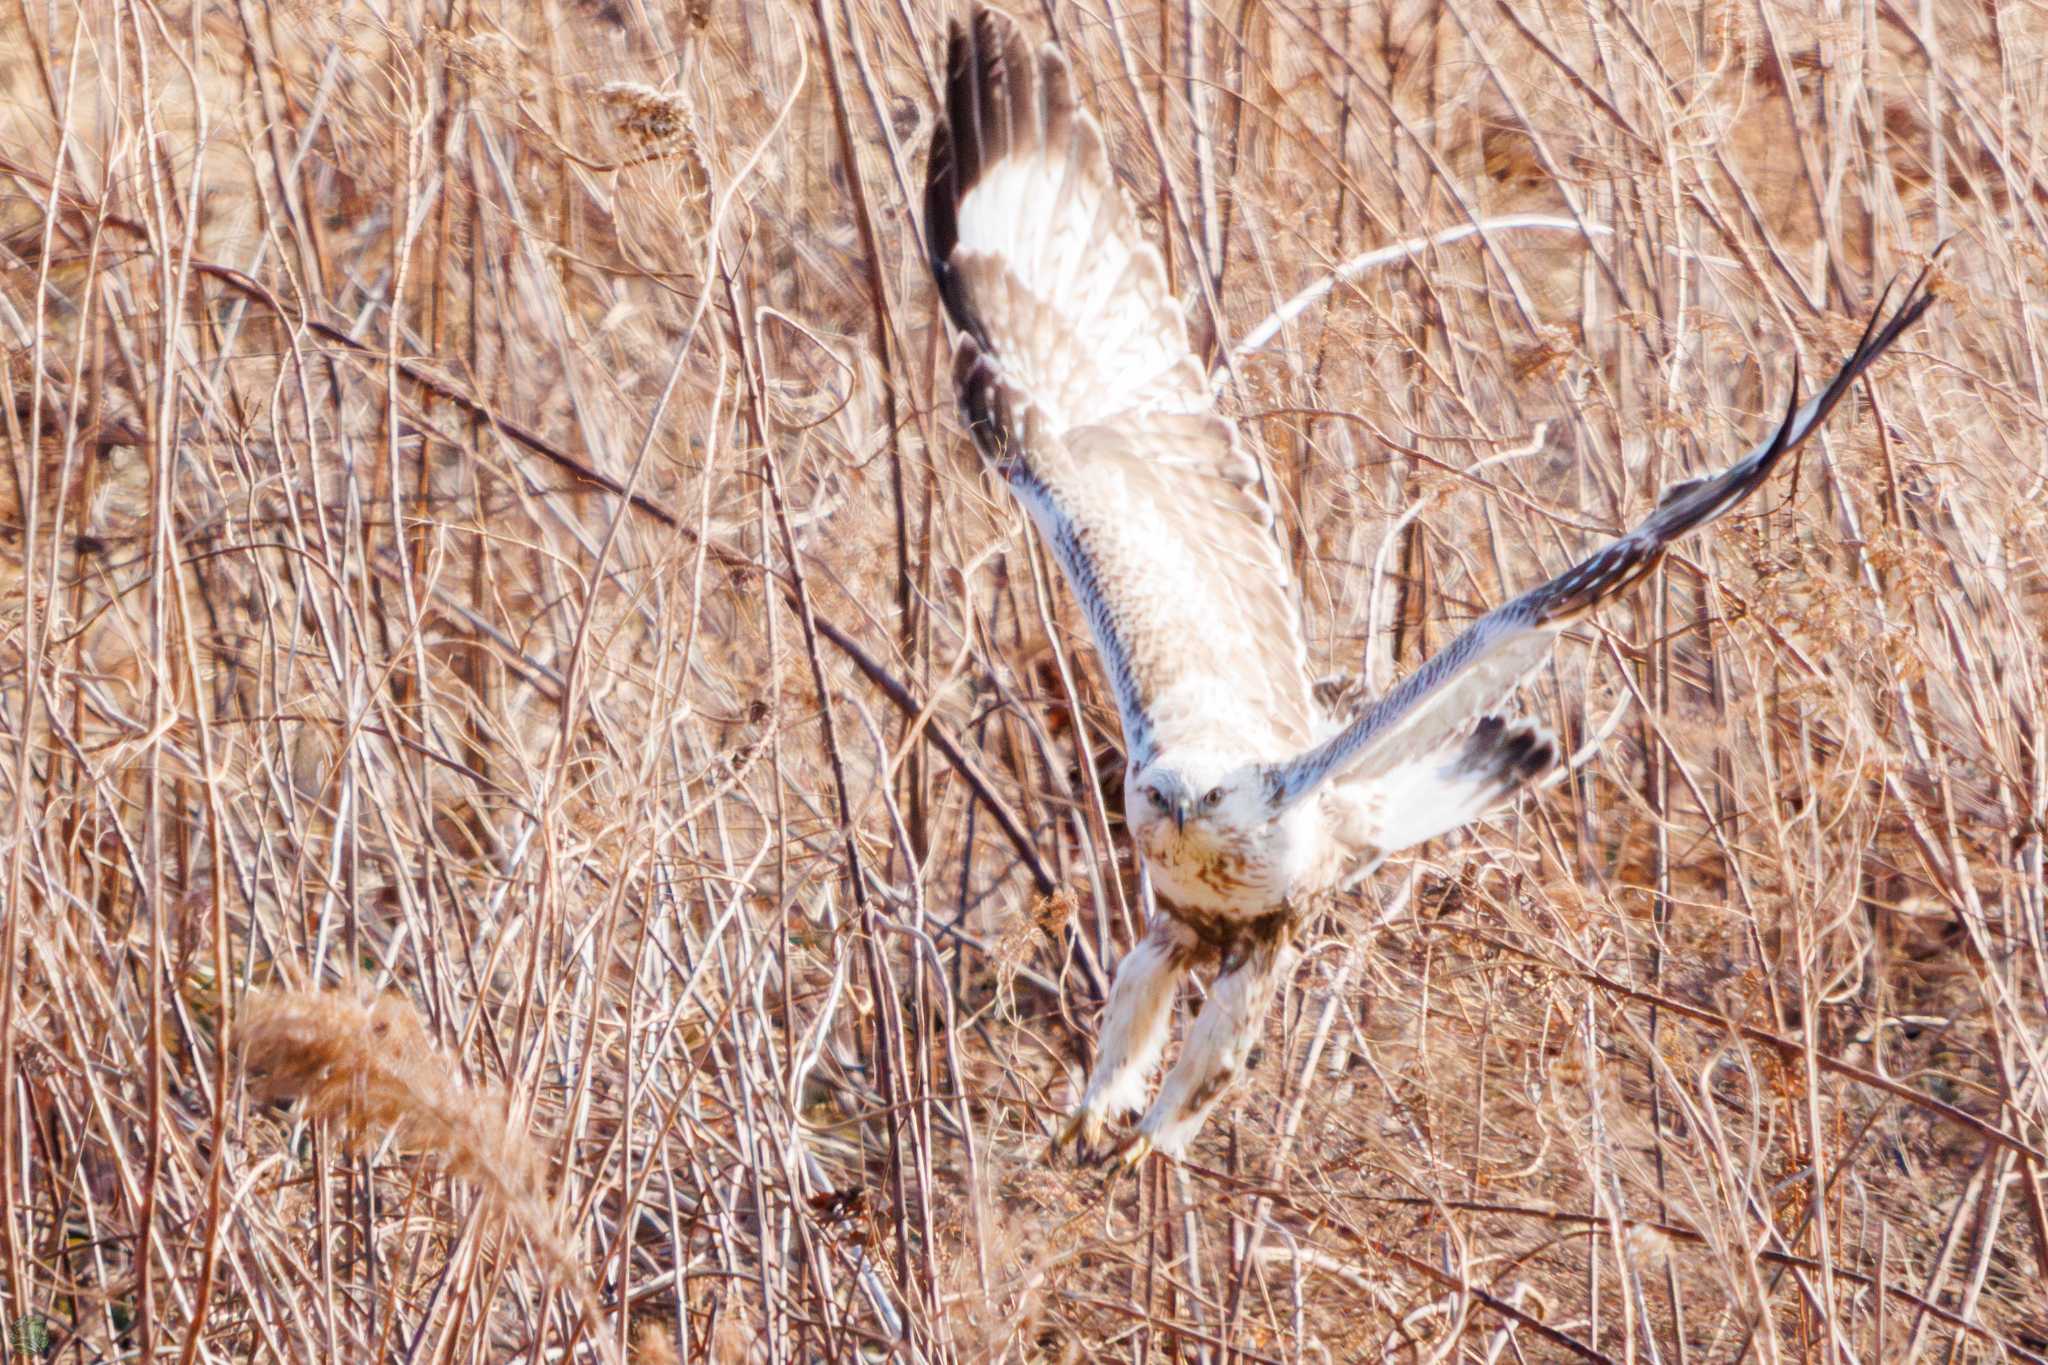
{"points": [[1419, 742]]}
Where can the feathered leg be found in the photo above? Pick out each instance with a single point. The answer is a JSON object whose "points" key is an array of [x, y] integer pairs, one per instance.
{"points": [[1222, 1037], [1133, 1027]]}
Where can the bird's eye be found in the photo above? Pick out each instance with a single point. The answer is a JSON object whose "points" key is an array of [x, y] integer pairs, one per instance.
{"points": [[1215, 795], [1157, 799]]}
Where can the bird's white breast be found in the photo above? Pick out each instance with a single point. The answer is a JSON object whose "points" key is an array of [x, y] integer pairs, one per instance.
{"points": [[1238, 866]]}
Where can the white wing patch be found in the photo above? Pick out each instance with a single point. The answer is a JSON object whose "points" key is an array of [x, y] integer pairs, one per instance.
{"points": [[1434, 793]]}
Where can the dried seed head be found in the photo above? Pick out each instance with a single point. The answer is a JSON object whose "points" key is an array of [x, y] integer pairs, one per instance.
{"points": [[657, 120], [364, 1061]]}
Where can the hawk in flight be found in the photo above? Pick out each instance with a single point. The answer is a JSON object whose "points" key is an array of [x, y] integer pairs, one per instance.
{"points": [[1246, 800]]}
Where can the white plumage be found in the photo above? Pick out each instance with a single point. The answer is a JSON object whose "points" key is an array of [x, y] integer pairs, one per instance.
{"points": [[1244, 798]]}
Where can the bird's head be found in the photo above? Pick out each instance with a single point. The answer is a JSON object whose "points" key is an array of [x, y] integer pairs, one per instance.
{"points": [[1186, 793]]}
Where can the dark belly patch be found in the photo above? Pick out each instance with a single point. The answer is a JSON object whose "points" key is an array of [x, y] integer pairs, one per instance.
{"points": [[1235, 939]]}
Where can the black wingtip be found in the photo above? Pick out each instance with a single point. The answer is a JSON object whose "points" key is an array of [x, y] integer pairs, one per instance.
{"points": [[1875, 341], [943, 187], [1799, 423], [989, 86]]}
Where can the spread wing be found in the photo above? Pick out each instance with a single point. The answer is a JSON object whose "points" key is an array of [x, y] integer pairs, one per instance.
{"points": [[1075, 376], [1426, 756]]}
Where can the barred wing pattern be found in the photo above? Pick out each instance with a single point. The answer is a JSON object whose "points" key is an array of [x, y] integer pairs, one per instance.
{"points": [[1411, 738], [1076, 378]]}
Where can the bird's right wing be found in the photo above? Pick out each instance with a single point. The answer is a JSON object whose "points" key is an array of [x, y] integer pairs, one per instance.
{"points": [[1076, 379], [1423, 748]]}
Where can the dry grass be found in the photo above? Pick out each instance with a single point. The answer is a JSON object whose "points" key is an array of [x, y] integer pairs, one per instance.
{"points": [[484, 521]]}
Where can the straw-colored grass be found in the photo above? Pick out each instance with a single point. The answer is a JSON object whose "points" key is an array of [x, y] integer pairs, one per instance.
{"points": [[486, 534]]}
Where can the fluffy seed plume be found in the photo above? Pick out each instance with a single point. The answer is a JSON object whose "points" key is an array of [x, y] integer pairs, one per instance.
{"points": [[364, 1062]]}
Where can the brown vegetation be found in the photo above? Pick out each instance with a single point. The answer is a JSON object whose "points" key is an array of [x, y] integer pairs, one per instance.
{"points": [[485, 525]]}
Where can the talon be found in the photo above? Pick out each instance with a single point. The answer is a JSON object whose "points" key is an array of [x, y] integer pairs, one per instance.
{"points": [[1083, 1131], [1132, 1151]]}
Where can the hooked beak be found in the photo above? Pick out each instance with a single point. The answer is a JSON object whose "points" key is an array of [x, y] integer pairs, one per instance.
{"points": [[1180, 814]]}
